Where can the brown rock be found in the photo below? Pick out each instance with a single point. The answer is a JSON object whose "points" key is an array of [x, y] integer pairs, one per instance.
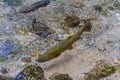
{"points": [[57, 76], [32, 72], [26, 59], [72, 20]]}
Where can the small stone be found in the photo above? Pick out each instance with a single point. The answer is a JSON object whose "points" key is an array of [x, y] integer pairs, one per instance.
{"points": [[116, 4], [41, 29], [77, 4], [26, 59], [2, 58], [58, 76], [13, 2], [35, 54], [98, 8], [21, 31], [72, 20], [117, 60], [4, 70]]}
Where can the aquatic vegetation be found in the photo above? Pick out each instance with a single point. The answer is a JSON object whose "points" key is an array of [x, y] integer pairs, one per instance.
{"points": [[34, 6], [58, 76], [56, 50]]}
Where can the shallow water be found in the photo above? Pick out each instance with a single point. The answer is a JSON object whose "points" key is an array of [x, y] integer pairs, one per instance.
{"points": [[102, 43]]}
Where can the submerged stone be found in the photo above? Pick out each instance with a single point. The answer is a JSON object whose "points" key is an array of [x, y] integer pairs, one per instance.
{"points": [[13, 2], [57, 76], [5, 49], [101, 69], [72, 20], [116, 4], [41, 29], [31, 72], [26, 59]]}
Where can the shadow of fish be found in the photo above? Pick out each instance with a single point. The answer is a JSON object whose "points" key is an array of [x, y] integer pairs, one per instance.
{"points": [[35, 6]]}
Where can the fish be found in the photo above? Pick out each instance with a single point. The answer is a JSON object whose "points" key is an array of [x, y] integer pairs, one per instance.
{"points": [[56, 50], [34, 6]]}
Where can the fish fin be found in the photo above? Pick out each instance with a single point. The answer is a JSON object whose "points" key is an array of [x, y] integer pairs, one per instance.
{"points": [[70, 47]]}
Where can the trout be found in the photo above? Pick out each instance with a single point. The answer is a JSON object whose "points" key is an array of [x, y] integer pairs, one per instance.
{"points": [[56, 50]]}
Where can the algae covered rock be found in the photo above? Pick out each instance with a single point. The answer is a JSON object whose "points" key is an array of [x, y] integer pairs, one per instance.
{"points": [[102, 69], [72, 20], [58, 76], [31, 72], [116, 4]]}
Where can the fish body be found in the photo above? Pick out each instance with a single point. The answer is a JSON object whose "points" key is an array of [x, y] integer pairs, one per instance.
{"points": [[56, 50], [35, 6]]}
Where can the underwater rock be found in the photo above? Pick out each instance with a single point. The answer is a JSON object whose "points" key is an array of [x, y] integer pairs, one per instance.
{"points": [[77, 4], [13, 2], [34, 54], [26, 59], [58, 10], [4, 70], [58, 76], [31, 72], [5, 49], [102, 69], [41, 29], [72, 20], [2, 58], [116, 4], [98, 8], [34, 6], [117, 60]]}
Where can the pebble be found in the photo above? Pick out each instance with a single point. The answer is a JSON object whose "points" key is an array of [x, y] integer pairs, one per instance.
{"points": [[4, 70], [19, 76], [26, 59], [2, 58], [44, 34], [58, 76], [117, 60], [35, 54], [77, 4], [21, 31]]}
